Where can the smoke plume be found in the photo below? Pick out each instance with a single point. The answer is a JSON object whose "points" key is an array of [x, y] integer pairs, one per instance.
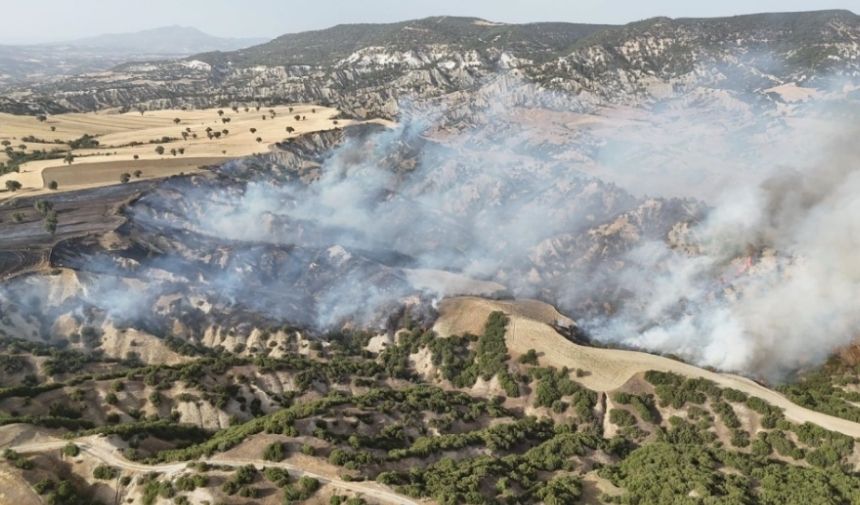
{"points": [[728, 238]]}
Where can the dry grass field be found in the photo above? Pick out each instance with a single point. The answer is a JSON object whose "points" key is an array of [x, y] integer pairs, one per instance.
{"points": [[129, 142]]}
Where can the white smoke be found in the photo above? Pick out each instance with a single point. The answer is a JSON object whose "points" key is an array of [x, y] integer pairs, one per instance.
{"points": [[766, 282], [774, 284], [552, 204]]}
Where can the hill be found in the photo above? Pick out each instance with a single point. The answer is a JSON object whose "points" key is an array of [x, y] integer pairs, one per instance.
{"points": [[365, 69], [329, 46]]}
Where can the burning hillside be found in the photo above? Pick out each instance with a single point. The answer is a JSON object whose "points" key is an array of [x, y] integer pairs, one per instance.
{"points": [[330, 230]]}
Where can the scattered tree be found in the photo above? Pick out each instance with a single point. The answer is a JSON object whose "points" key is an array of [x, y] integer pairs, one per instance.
{"points": [[71, 450], [274, 452]]}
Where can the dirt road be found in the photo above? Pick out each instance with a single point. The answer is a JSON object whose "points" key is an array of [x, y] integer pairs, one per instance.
{"points": [[99, 449]]}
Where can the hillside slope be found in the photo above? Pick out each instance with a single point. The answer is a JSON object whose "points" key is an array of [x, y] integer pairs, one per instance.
{"points": [[367, 69]]}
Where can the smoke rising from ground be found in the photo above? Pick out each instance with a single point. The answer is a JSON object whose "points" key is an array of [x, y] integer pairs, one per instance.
{"points": [[773, 284], [728, 239], [764, 280]]}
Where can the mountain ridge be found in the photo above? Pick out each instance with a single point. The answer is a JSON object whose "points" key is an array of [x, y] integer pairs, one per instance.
{"points": [[363, 68]]}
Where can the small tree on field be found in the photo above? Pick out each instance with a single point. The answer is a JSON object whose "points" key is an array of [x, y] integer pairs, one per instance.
{"points": [[290, 129], [259, 139], [176, 120], [42, 118], [220, 112], [297, 117], [53, 185], [13, 186], [71, 450], [124, 178], [253, 130], [136, 156], [159, 150], [274, 452], [69, 158]]}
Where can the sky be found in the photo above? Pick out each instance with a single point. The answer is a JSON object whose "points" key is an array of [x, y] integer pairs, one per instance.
{"points": [[57, 20]]}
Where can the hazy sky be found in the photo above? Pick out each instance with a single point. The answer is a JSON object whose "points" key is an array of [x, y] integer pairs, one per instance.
{"points": [[50, 20]]}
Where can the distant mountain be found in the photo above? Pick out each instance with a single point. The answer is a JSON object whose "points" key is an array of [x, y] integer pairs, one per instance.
{"points": [[172, 40], [25, 65], [365, 69]]}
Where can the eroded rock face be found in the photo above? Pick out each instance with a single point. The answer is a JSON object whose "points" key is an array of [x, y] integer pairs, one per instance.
{"points": [[367, 70]]}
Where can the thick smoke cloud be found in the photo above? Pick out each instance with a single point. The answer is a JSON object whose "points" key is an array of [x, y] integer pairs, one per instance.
{"points": [[762, 279], [773, 284], [728, 238]]}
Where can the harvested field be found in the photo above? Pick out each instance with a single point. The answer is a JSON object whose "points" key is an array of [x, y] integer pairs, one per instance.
{"points": [[158, 143]]}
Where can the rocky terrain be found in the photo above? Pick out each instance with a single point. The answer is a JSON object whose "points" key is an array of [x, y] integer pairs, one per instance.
{"points": [[368, 69]]}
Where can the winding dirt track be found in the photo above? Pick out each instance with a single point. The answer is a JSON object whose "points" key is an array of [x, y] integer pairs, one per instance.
{"points": [[104, 452], [531, 327]]}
